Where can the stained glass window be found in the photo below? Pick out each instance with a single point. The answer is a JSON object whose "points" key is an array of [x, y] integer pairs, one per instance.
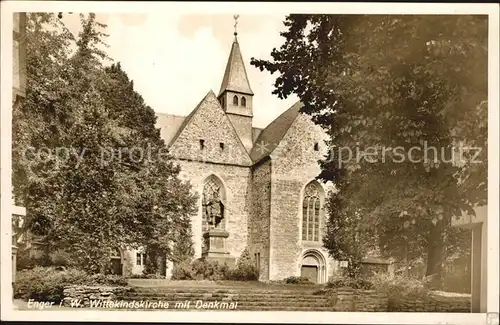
{"points": [[311, 208]]}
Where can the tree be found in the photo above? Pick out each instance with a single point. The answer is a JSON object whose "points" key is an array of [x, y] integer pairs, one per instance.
{"points": [[345, 238], [164, 198], [377, 83], [106, 181]]}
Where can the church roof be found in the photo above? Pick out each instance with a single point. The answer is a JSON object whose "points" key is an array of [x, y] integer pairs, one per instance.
{"points": [[235, 76], [186, 121], [270, 137]]}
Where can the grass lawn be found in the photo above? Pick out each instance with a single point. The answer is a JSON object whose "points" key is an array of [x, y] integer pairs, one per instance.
{"points": [[163, 283]]}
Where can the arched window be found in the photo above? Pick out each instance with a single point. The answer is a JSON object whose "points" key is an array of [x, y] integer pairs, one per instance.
{"points": [[311, 209], [243, 102], [213, 204], [235, 100]]}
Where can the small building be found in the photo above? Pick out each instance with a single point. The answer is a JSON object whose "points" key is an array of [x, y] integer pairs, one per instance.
{"points": [[478, 226]]}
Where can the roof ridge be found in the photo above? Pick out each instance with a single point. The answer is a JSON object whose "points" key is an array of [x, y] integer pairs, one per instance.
{"points": [[295, 109]]}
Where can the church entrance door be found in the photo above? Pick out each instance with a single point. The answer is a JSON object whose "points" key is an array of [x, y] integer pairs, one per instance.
{"points": [[313, 266], [310, 272]]}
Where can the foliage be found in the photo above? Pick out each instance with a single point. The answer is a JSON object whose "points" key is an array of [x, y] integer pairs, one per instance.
{"points": [[47, 284], [245, 272], [349, 282], [377, 83], [201, 269], [457, 273], [298, 280], [344, 237], [61, 258], [245, 268], [398, 286], [104, 181], [26, 262]]}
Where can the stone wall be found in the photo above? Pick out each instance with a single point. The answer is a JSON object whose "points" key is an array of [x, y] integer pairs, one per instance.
{"points": [[294, 165], [358, 300], [84, 294], [209, 123], [258, 226], [243, 126], [350, 300], [432, 303]]}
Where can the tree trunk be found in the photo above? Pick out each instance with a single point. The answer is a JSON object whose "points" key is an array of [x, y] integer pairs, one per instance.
{"points": [[435, 247]]}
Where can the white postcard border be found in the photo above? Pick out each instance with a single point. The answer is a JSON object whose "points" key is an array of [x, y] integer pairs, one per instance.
{"points": [[8, 7]]}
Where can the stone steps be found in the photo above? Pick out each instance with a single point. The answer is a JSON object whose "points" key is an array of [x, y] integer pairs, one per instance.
{"points": [[247, 298], [228, 299], [294, 293], [192, 304], [187, 295], [244, 300]]}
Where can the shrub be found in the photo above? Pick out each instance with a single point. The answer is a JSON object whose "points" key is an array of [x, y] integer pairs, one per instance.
{"points": [[61, 258], [201, 270], [182, 271], [398, 285], [47, 284], [106, 279], [349, 282], [245, 268], [26, 262], [297, 280], [243, 272], [211, 270]]}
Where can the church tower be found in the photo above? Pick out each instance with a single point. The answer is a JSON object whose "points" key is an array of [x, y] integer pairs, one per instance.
{"points": [[236, 96]]}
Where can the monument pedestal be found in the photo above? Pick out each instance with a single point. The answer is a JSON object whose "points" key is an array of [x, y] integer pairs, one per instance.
{"points": [[215, 247]]}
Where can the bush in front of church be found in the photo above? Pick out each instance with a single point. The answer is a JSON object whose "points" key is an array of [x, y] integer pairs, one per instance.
{"points": [[200, 269], [245, 268], [297, 280], [48, 283], [213, 271]]}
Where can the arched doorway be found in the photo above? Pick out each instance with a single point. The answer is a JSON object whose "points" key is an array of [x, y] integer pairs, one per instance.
{"points": [[313, 266], [116, 262]]}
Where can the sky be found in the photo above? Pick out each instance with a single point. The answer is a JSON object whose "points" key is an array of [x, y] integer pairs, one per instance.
{"points": [[175, 60]]}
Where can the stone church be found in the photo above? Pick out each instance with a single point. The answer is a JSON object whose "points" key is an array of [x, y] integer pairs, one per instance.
{"points": [[256, 187]]}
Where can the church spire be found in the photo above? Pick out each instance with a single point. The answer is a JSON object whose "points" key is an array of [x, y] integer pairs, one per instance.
{"points": [[235, 77]]}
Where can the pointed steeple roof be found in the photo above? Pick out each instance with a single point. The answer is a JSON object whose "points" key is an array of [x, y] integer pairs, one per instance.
{"points": [[235, 76]]}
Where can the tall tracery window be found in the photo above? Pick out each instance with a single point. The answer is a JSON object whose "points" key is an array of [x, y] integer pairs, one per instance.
{"points": [[213, 204], [235, 100], [311, 209]]}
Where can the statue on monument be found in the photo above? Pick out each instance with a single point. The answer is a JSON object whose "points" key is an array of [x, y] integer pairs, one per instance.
{"points": [[215, 212], [213, 206]]}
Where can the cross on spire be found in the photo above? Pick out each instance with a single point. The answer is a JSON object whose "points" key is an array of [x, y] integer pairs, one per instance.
{"points": [[236, 24]]}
